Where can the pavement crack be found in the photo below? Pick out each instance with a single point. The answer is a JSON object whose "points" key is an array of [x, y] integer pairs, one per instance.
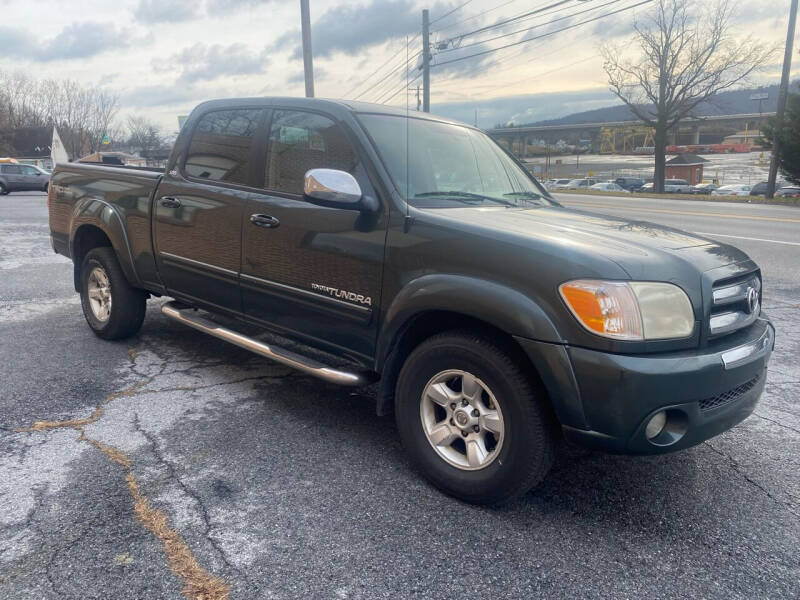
{"points": [[736, 467], [778, 423], [157, 452], [198, 584]]}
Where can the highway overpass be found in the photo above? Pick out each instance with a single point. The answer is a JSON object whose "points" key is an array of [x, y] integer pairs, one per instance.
{"points": [[698, 130]]}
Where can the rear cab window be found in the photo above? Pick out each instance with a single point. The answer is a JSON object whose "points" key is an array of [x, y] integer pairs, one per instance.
{"points": [[221, 147]]}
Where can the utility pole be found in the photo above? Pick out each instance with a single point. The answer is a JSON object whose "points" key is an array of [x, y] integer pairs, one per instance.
{"points": [[426, 62], [784, 91], [308, 65]]}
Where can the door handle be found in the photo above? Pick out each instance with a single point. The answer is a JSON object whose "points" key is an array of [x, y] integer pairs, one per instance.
{"points": [[264, 221], [170, 202]]}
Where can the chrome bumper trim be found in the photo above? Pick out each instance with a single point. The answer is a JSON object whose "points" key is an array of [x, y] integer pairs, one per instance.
{"points": [[750, 351]]}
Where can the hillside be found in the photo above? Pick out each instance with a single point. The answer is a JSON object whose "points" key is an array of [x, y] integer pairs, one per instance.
{"points": [[726, 103]]}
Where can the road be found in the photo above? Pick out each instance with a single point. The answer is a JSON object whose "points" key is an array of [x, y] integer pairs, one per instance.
{"points": [[201, 467]]}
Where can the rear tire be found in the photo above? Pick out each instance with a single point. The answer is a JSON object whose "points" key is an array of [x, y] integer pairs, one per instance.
{"points": [[3, 190], [113, 308], [506, 415]]}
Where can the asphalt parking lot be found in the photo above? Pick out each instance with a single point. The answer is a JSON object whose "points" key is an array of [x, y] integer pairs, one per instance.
{"points": [[173, 462]]}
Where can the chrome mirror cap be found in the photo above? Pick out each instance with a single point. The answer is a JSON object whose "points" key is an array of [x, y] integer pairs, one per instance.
{"points": [[331, 185]]}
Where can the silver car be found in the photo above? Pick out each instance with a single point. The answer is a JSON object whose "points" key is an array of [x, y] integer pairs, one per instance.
{"points": [[19, 178]]}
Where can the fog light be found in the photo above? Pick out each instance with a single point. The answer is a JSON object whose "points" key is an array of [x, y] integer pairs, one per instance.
{"points": [[655, 425]]}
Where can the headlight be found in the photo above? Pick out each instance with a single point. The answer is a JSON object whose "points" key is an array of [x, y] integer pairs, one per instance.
{"points": [[630, 310]]}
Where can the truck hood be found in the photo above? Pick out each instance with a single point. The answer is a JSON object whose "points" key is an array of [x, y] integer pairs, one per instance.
{"points": [[636, 246]]}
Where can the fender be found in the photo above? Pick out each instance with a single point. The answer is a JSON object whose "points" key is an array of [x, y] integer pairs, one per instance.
{"points": [[105, 216], [501, 306]]}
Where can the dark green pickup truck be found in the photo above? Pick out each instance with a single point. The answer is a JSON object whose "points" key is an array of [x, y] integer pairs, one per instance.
{"points": [[408, 250]]}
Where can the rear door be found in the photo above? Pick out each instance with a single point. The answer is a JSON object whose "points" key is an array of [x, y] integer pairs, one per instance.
{"points": [[199, 207], [316, 271], [13, 176]]}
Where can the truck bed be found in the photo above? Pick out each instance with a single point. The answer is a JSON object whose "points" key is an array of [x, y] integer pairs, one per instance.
{"points": [[115, 199]]}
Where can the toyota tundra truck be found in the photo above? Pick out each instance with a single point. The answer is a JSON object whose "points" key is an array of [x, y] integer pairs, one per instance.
{"points": [[365, 245]]}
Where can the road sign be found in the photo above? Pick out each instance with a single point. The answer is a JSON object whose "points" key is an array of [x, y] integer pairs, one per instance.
{"points": [[760, 96], [106, 141]]}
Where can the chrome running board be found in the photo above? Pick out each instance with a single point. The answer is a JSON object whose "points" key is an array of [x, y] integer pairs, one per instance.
{"points": [[189, 316]]}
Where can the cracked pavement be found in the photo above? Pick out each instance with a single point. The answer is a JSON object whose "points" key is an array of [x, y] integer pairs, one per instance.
{"points": [[282, 486]]}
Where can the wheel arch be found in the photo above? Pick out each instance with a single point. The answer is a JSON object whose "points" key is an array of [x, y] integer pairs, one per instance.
{"points": [[97, 225], [437, 303]]}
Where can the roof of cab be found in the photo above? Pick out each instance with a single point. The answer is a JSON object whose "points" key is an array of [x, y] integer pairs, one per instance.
{"points": [[332, 105]]}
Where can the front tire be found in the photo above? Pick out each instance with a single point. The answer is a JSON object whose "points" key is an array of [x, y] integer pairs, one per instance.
{"points": [[3, 190], [113, 308], [472, 421]]}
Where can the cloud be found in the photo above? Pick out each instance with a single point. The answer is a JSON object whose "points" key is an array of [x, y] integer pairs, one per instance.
{"points": [[214, 7], [166, 11], [78, 40], [175, 11], [150, 96], [351, 27], [202, 62]]}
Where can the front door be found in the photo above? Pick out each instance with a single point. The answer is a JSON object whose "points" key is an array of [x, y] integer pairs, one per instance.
{"points": [[309, 270], [31, 178], [199, 208]]}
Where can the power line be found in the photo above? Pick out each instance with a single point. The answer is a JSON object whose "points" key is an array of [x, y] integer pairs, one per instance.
{"points": [[528, 28], [536, 11], [537, 75], [392, 71], [379, 87], [391, 58], [549, 33], [384, 99], [480, 14], [450, 12]]}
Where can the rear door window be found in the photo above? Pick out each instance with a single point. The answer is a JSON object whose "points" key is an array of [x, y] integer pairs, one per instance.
{"points": [[301, 141], [222, 146]]}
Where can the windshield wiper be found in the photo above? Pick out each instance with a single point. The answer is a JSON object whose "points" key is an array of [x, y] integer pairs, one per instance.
{"points": [[528, 196], [465, 196]]}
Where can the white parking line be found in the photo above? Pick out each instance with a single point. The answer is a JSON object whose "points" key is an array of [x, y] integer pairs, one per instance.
{"points": [[741, 237]]}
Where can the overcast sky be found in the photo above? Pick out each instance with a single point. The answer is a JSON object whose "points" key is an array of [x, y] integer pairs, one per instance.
{"points": [[164, 56]]}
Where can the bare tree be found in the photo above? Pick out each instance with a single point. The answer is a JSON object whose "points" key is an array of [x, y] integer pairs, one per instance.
{"points": [[82, 115], [144, 135], [686, 58]]}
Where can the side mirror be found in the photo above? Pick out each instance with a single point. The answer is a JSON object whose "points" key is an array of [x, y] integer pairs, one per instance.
{"points": [[330, 187]]}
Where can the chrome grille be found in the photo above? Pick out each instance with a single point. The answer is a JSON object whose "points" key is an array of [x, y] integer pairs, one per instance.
{"points": [[735, 304]]}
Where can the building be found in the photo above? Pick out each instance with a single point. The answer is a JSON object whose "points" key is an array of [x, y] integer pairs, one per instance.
{"points": [[686, 166], [28, 145]]}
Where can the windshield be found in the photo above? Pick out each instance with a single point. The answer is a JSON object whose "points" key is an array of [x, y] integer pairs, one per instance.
{"points": [[449, 165]]}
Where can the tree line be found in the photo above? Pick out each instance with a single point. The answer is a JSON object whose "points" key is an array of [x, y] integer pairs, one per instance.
{"points": [[83, 115]]}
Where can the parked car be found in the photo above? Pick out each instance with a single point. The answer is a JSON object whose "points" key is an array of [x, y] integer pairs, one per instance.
{"points": [[671, 186], [608, 186], [20, 178], [677, 186], [704, 188], [738, 189], [580, 184], [631, 184], [558, 184], [413, 253], [760, 189], [788, 191]]}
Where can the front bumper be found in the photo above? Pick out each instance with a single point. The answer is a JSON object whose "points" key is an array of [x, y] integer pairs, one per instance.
{"points": [[703, 392]]}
